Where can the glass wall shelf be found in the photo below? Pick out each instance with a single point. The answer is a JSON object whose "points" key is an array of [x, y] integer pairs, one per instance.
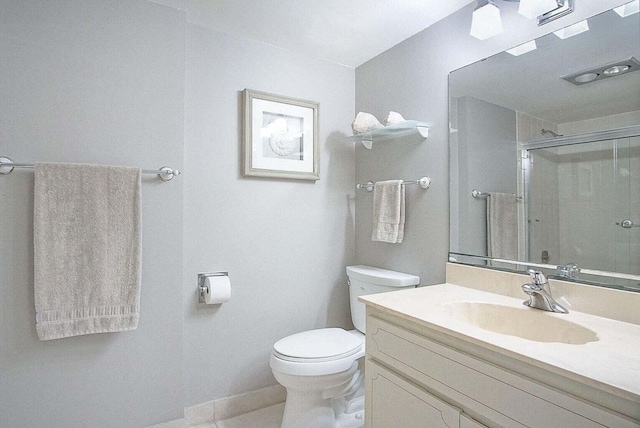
{"points": [[406, 128]]}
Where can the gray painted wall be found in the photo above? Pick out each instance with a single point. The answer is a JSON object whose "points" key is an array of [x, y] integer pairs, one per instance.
{"points": [[97, 82], [285, 243], [411, 78], [105, 82]]}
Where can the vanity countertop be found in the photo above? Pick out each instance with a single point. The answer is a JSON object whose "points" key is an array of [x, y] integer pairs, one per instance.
{"points": [[610, 363]]}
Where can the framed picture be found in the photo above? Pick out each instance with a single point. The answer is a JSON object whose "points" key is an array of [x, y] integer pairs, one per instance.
{"points": [[280, 136]]}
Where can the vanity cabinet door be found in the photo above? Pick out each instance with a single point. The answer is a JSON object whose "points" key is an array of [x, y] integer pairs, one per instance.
{"points": [[392, 402]]}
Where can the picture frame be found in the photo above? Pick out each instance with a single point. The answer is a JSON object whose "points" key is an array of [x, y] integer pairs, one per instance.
{"points": [[280, 136]]}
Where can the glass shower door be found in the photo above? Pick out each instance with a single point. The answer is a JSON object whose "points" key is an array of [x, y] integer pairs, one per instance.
{"points": [[584, 205], [571, 202], [627, 204]]}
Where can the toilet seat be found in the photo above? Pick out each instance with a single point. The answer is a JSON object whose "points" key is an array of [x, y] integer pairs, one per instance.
{"points": [[324, 344], [317, 352]]}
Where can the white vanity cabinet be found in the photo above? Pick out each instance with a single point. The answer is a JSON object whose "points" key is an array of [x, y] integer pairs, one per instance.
{"points": [[396, 402], [414, 379]]}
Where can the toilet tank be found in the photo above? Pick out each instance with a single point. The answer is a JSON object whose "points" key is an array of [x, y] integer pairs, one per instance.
{"points": [[371, 280]]}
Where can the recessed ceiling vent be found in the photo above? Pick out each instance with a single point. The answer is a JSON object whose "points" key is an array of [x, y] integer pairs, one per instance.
{"points": [[613, 69]]}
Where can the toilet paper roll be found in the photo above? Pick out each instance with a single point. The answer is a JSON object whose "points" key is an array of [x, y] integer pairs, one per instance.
{"points": [[219, 289]]}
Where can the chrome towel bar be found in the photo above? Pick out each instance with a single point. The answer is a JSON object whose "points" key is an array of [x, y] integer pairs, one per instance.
{"points": [[423, 182], [478, 194], [165, 173]]}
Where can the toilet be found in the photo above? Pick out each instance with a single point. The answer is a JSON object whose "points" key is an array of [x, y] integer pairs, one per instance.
{"points": [[323, 369]]}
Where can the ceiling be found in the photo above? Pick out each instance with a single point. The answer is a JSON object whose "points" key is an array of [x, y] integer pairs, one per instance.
{"points": [[348, 32]]}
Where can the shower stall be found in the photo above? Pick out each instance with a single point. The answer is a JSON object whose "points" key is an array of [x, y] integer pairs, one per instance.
{"points": [[583, 200]]}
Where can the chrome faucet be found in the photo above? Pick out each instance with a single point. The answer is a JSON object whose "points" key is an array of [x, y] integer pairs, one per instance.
{"points": [[540, 294], [570, 271]]}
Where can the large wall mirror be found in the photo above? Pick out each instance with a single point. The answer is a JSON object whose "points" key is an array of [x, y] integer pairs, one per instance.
{"points": [[545, 155]]}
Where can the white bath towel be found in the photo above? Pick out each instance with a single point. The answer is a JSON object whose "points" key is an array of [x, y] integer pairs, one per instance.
{"points": [[388, 211], [86, 249], [502, 226]]}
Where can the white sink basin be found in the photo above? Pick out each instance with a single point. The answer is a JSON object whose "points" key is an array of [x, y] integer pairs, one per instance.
{"points": [[526, 323]]}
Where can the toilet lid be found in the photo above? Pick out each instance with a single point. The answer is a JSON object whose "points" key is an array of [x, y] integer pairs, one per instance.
{"points": [[324, 343]]}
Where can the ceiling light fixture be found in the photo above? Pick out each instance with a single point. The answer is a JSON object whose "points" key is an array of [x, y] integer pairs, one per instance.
{"points": [[604, 71], [617, 69], [586, 77], [485, 21], [523, 48], [534, 8], [628, 9], [572, 30], [565, 7]]}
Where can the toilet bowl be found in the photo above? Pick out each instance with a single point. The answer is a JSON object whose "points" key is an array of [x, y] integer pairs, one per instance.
{"points": [[316, 367], [323, 369]]}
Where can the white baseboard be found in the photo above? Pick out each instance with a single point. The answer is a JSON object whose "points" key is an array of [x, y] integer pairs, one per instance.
{"points": [[228, 407]]}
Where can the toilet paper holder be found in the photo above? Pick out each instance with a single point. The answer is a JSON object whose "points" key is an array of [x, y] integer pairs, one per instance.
{"points": [[203, 289]]}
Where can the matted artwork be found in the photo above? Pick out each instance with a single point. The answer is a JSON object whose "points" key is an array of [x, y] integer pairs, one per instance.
{"points": [[280, 136]]}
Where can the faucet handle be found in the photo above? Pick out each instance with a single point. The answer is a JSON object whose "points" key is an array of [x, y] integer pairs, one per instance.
{"points": [[538, 277]]}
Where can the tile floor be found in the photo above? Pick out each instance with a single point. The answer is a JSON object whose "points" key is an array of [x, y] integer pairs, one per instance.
{"points": [[269, 417]]}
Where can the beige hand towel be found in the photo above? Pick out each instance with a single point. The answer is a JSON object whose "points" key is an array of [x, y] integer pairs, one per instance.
{"points": [[502, 226], [86, 249], [388, 211]]}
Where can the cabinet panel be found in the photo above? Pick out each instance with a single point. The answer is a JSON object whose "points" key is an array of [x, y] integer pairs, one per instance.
{"points": [[393, 402], [467, 422]]}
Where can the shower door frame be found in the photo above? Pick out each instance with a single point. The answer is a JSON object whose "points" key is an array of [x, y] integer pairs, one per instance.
{"points": [[627, 132]]}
